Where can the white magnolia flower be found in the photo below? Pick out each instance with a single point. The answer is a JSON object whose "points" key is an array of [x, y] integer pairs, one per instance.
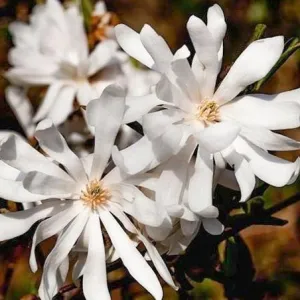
{"points": [[226, 127], [76, 199], [53, 50]]}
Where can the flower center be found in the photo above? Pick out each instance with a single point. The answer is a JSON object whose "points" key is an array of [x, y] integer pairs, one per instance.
{"points": [[208, 111], [95, 194]]}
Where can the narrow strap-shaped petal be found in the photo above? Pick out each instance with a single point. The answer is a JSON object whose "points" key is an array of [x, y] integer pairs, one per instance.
{"points": [[207, 54], [243, 172], [131, 43], [21, 106], [217, 27], [95, 278], [51, 227], [63, 105], [269, 168], [106, 115], [102, 56], [200, 185], [253, 64], [157, 48], [268, 140], [53, 187], [261, 110], [62, 248], [54, 144], [131, 257], [49, 99], [14, 224], [152, 251], [172, 181]]}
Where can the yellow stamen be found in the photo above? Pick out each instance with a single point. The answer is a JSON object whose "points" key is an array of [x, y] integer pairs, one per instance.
{"points": [[208, 111], [95, 194]]}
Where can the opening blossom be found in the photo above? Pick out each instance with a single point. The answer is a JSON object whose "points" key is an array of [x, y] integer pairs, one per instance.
{"points": [[193, 113], [80, 200], [52, 50]]}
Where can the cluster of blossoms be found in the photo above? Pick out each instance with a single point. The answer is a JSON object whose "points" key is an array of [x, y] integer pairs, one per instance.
{"points": [[156, 189]]}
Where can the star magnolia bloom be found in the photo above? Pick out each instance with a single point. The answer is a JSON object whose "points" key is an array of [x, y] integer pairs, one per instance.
{"points": [[77, 199], [227, 128], [53, 50]]}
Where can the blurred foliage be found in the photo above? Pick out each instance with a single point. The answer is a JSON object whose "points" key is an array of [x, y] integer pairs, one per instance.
{"points": [[274, 251]]}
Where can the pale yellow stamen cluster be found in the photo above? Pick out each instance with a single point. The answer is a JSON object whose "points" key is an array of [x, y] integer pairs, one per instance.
{"points": [[208, 111], [95, 194]]}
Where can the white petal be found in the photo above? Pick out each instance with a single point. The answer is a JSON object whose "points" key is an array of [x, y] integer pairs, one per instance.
{"points": [[22, 35], [51, 227], [53, 143], [218, 136], [20, 155], [155, 123], [243, 172], [138, 106], [74, 21], [271, 169], [20, 104], [22, 76], [63, 105], [152, 251], [189, 227], [14, 190], [186, 79], [106, 115], [48, 101], [216, 24], [34, 62], [152, 153], [101, 56], [207, 54], [62, 248], [213, 226], [157, 48], [131, 258], [14, 224], [43, 184], [252, 65], [95, 278], [100, 8], [85, 93], [172, 181], [289, 96], [200, 185], [268, 140], [143, 209], [131, 43], [261, 110]]}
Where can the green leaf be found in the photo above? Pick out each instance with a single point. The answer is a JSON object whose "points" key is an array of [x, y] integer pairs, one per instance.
{"points": [[87, 10], [258, 32], [229, 264]]}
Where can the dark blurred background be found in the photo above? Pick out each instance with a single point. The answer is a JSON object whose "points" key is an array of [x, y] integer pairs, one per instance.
{"points": [[275, 251]]}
